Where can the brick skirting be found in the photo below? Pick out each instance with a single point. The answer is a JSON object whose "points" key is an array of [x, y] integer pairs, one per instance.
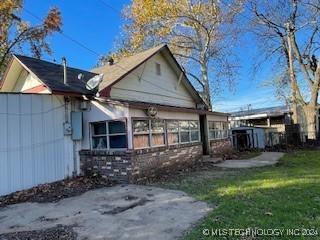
{"points": [[138, 165], [219, 146]]}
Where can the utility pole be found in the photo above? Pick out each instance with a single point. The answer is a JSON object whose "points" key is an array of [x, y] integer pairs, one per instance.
{"points": [[291, 72]]}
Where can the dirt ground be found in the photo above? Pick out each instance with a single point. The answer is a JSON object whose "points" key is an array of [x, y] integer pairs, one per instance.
{"points": [[56, 191]]}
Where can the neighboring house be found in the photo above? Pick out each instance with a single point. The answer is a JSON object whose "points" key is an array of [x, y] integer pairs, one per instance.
{"points": [[272, 118], [146, 117]]}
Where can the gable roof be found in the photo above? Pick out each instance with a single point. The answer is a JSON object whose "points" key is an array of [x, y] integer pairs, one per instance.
{"points": [[117, 71], [51, 75]]}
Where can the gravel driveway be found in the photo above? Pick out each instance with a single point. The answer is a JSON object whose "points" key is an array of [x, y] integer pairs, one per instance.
{"points": [[121, 212]]}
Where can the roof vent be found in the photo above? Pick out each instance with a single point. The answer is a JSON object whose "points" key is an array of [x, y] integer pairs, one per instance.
{"points": [[64, 64], [110, 61]]}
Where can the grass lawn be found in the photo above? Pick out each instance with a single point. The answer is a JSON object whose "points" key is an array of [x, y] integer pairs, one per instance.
{"points": [[286, 196]]}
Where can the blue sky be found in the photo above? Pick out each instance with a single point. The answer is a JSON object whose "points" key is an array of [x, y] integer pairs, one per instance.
{"points": [[96, 26]]}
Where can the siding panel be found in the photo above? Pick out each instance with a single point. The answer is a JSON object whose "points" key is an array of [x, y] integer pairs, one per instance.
{"points": [[33, 148]]}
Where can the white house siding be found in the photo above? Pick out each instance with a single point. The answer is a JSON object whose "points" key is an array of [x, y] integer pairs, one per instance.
{"points": [[98, 112], [144, 85], [26, 81], [165, 114], [33, 148], [217, 118]]}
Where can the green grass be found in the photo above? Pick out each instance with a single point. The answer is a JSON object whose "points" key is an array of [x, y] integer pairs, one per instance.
{"points": [[286, 196]]}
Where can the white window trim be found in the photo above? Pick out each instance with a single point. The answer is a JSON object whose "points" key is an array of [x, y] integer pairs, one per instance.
{"points": [[107, 135]]}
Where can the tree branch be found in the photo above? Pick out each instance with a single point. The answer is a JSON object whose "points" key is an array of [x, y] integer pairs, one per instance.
{"points": [[196, 78]]}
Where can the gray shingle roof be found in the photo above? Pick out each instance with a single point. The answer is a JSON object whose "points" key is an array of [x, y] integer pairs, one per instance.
{"points": [[51, 74]]}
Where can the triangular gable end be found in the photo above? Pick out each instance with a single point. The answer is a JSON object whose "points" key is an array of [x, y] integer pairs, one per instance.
{"points": [[18, 78], [137, 81]]}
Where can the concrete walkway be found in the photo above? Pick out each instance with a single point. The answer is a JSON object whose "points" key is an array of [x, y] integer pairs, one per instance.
{"points": [[265, 159]]}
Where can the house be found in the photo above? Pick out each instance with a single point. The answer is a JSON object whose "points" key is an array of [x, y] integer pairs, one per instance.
{"points": [[272, 118], [143, 118]]}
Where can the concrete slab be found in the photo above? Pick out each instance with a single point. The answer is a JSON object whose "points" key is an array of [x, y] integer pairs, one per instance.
{"points": [[129, 212], [265, 159]]}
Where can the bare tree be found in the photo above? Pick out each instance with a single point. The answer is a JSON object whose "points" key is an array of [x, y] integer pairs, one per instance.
{"points": [[197, 32], [289, 31]]}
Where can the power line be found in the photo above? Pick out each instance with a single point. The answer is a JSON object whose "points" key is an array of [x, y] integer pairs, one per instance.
{"points": [[97, 54], [110, 7], [65, 35]]}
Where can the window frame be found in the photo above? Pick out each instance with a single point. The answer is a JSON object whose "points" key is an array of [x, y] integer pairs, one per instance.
{"points": [[108, 135], [166, 143], [223, 132], [149, 133]]}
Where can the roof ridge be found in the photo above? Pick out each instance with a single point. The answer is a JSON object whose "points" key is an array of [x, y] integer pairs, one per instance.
{"points": [[151, 50]]}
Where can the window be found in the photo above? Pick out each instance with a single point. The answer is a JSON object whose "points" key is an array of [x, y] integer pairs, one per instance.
{"points": [[141, 134], [148, 133], [173, 132], [109, 135], [158, 136], [184, 131], [158, 69], [189, 131], [218, 130], [156, 132], [194, 129]]}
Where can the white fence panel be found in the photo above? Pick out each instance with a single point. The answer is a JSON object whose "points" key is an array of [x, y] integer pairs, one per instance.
{"points": [[33, 148]]}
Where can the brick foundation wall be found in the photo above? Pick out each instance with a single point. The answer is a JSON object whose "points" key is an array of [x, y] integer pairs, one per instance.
{"points": [[220, 146], [150, 163], [112, 165], [139, 165]]}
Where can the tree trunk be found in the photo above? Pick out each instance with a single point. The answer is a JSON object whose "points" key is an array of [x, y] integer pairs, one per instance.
{"points": [[205, 81], [310, 113]]}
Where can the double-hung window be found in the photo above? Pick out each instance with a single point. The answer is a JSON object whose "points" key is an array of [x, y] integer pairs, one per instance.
{"points": [[109, 135]]}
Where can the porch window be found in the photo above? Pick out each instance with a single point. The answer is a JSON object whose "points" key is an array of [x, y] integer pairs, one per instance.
{"points": [[141, 133], [218, 130], [184, 132], [109, 135], [158, 132], [194, 131], [189, 131], [173, 132], [158, 136]]}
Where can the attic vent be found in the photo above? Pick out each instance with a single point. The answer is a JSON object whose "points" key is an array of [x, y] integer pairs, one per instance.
{"points": [[158, 69]]}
